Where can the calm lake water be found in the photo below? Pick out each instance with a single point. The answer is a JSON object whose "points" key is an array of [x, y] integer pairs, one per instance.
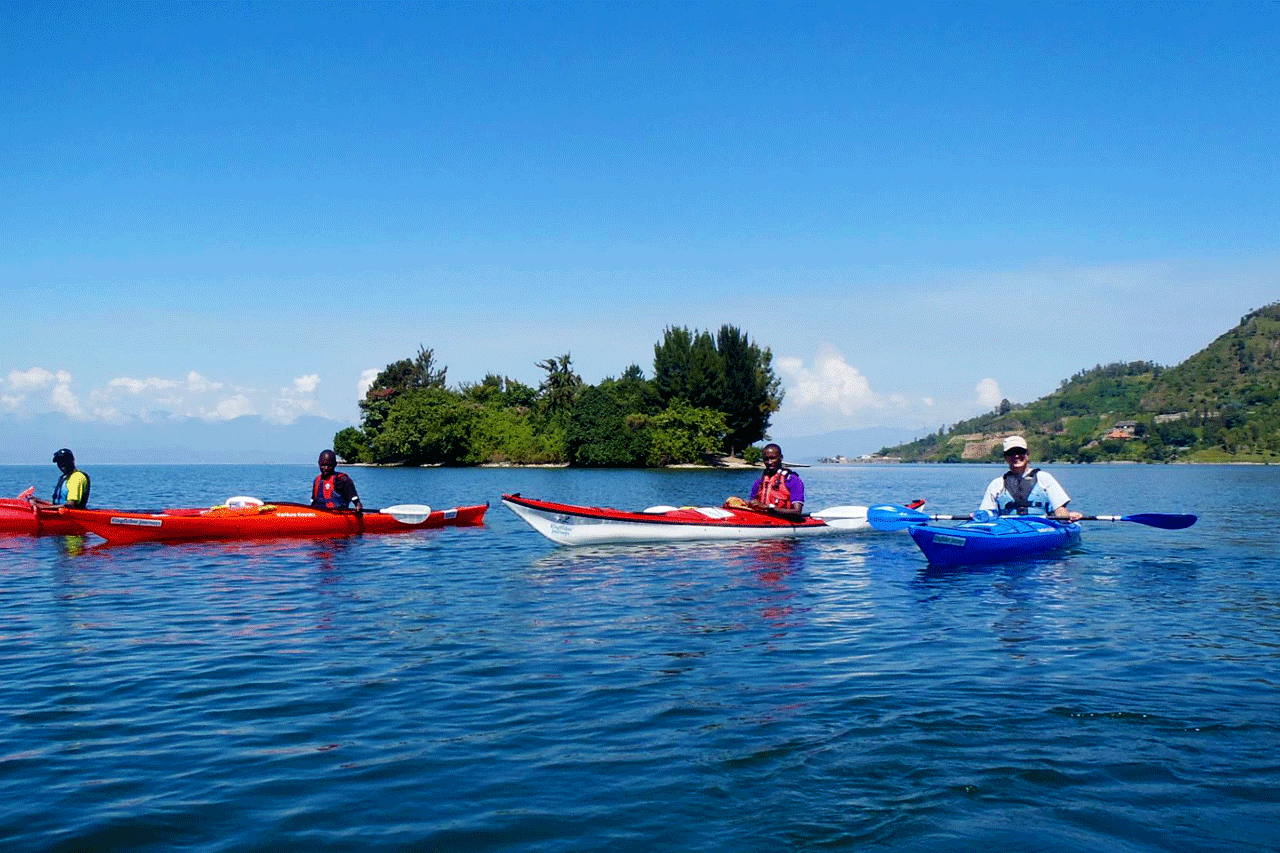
{"points": [[484, 690]]}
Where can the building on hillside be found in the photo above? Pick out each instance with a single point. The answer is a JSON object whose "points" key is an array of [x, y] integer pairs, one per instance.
{"points": [[1124, 430]]}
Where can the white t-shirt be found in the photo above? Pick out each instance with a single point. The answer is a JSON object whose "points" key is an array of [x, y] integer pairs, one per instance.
{"points": [[996, 496]]}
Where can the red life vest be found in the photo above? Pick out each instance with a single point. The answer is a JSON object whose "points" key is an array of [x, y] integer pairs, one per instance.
{"points": [[324, 494], [774, 491]]}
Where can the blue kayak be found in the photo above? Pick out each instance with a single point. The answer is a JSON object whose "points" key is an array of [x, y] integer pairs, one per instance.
{"points": [[999, 540]]}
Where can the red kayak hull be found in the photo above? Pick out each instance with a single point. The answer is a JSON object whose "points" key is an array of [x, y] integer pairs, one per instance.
{"points": [[271, 521], [18, 518]]}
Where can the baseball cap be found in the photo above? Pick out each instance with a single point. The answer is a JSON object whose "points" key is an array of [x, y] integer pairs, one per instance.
{"points": [[1015, 442]]}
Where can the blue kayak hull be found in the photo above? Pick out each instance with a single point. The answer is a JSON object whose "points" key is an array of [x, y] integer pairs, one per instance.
{"points": [[997, 541]]}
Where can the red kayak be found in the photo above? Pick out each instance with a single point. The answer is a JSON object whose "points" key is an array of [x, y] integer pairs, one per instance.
{"points": [[17, 516], [266, 521]]}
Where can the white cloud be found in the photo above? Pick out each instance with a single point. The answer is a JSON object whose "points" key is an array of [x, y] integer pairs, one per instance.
{"points": [[989, 395], [123, 398], [306, 384], [286, 410], [831, 394], [199, 384], [231, 407], [35, 378], [366, 381], [137, 386], [64, 400], [831, 384]]}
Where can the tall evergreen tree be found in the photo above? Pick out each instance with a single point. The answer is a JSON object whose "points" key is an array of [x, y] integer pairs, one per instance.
{"points": [[686, 366], [752, 392], [727, 373], [706, 374], [673, 364]]}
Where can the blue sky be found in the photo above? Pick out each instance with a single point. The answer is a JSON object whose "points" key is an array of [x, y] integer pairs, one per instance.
{"points": [[222, 209]]}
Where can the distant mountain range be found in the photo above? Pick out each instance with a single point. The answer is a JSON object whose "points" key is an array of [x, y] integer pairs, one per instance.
{"points": [[850, 443], [242, 440]]}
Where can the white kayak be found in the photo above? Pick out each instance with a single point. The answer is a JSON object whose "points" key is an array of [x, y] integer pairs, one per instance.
{"points": [[567, 524]]}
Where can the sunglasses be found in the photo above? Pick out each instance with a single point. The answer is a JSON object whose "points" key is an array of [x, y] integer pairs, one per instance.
{"points": [[1013, 454]]}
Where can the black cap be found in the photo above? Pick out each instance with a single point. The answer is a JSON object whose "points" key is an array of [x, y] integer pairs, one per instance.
{"points": [[63, 455]]}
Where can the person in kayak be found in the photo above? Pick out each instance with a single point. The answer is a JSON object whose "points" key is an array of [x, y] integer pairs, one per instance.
{"points": [[73, 486], [778, 487], [1024, 491], [333, 489]]}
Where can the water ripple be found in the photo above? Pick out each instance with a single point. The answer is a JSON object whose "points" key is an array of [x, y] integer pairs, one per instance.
{"points": [[481, 689]]}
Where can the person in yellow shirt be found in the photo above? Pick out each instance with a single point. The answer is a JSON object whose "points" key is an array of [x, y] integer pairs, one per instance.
{"points": [[73, 487]]}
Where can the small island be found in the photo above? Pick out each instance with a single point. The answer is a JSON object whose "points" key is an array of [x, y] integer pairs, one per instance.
{"points": [[710, 399]]}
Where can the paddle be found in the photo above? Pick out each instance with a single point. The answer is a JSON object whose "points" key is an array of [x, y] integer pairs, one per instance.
{"points": [[855, 513], [407, 513], [851, 517], [841, 513], [843, 517], [1150, 519], [890, 517]]}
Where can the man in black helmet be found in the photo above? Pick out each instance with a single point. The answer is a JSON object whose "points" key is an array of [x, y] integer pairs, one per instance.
{"points": [[333, 489], [73, 487]]}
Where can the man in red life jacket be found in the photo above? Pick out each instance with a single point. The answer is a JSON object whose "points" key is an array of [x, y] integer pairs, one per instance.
{"points": [[778, 487], [332, 489]]}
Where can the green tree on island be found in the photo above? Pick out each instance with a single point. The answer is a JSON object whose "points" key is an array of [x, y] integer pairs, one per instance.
{"points": [[729, 374], [709, 394]]}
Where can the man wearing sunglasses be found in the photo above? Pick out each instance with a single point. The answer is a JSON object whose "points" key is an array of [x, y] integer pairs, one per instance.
{"points": [[1023, 491]]}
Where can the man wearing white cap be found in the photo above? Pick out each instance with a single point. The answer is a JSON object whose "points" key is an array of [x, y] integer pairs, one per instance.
{"points": [[1026, 492]]}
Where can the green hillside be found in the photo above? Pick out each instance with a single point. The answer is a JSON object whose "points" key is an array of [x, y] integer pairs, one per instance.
{"points": [[1220, 405]]}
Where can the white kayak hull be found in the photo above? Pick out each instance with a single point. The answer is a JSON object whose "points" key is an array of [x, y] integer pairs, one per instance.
{"points": [[565, 524]]}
